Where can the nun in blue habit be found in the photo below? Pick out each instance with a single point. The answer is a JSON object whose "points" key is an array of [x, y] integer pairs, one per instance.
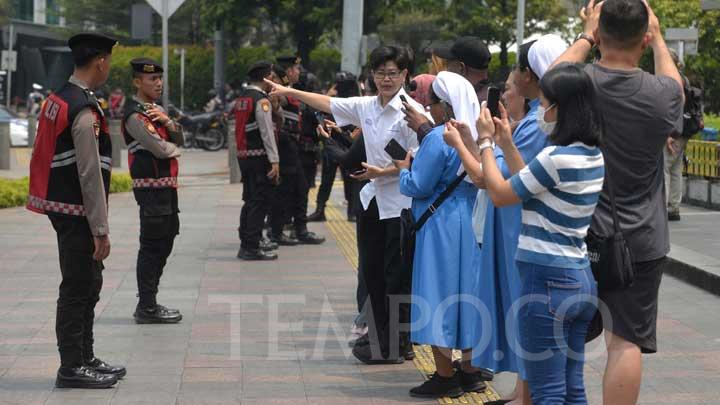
{"points": [[443, 310]]}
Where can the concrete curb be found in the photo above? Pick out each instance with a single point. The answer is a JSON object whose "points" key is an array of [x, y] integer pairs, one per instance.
{"points": [[694, 276], [694, 268]]}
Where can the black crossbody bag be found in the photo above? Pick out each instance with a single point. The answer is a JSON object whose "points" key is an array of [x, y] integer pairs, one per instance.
{"points": [[409, 228], [610, 257]]}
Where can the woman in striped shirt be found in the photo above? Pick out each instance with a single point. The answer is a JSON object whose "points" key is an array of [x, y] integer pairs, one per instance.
{"points": [[558, 190]]}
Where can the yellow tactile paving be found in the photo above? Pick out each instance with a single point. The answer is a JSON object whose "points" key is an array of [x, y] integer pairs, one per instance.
{"points": [[344, 233]]}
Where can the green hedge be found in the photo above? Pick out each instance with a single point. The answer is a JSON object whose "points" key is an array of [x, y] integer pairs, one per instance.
{"points": [[14, 192]]}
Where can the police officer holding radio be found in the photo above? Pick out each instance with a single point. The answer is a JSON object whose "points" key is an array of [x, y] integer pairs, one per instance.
{"points": [[69, 182], [153, 141]]}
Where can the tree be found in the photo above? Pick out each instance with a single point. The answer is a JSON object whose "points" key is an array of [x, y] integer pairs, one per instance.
{"points": [[495, 20]]}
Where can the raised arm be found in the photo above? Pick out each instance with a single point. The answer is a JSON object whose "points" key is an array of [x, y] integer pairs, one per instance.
{"points": [[578, 52], [319, 102], [664, 64]]}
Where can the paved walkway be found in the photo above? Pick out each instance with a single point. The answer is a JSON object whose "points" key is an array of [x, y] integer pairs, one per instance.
{"points": [[261, 333]]}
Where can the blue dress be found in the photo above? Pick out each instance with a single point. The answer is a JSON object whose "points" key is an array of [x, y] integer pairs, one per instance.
{"points": [[499, 285], [442, 312]]}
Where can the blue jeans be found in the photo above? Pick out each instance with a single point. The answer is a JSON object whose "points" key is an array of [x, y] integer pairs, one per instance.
{"points": [[553, 323]]}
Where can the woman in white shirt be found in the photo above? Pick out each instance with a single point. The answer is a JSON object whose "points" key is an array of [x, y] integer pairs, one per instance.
{"points": [[381, 118]]}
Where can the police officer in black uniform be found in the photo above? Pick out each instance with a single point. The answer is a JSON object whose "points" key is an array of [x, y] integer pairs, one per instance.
{"points": [[258, 158], [153, 141], [309, 140], [292, 192], [69, 182]]}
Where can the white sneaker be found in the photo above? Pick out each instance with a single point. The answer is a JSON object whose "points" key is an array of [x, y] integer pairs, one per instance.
{"points": [[356, 332]]}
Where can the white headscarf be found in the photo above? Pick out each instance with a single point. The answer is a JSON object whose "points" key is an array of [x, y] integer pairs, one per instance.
{"points": [[460, 94], [544, 52]]}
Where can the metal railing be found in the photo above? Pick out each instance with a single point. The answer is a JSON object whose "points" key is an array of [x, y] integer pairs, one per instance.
{"points": [[703, 159]]}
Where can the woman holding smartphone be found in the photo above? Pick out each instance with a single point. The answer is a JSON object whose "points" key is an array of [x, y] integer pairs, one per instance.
{"points": [[558, 190]]}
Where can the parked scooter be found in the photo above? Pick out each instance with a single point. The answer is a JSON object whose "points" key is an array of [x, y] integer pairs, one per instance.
{"points": [[206, 131]]}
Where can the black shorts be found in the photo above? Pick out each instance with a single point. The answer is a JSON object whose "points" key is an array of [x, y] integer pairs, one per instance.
{"points": [[634, 310]]}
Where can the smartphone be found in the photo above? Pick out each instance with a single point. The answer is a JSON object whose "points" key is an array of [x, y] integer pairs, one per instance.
{"points": [[358, 172], [403, 99], [395, 150], [493, 101]]}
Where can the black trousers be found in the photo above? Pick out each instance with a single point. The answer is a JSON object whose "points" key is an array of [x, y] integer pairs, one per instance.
{"points": [[309, 161], [387, 281], [157, 236], [327, 179], [290, 201], [79, 290], [257, 195]]}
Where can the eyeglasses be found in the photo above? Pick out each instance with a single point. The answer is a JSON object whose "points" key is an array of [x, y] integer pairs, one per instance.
{"points": [[381, 75]]}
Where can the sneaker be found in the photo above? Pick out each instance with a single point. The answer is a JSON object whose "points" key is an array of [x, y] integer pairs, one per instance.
{"points": [[487, 375], [309, 238], [364, 353], [438, 387], [356, 332], [472, 382], [284, 240], [674, 216], [267, 246], [317, 216]]}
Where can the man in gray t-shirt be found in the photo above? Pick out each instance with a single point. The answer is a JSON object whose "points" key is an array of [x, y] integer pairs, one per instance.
{"points": [[640, 111]]}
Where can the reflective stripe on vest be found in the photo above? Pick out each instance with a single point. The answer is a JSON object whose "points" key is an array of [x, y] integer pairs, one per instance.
{"points": [[162, 182], [54, 206], [251, 153], [251, 126]]}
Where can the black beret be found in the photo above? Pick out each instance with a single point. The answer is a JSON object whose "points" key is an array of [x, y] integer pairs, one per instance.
{"points": [[262, 65], [288, 61], [90, 40], [145, 65]]}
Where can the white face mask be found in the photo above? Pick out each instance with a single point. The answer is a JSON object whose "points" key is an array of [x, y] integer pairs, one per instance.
{"points": [[546, 127]]}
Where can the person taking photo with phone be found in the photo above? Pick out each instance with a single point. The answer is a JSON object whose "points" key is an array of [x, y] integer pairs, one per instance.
{"points": [[445, 247]]}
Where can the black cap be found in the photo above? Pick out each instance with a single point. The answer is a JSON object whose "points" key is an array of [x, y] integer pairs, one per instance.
{"points": [[100, 42], [471, 51], [145, 65], [259, 69], [287, 61]]}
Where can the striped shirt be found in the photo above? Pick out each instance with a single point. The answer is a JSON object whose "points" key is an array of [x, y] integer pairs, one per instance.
{"points": [[559, 190]]}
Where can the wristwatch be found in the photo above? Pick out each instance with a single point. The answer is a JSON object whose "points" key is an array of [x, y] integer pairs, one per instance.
{"points": [[586, 37], [486, 144]]}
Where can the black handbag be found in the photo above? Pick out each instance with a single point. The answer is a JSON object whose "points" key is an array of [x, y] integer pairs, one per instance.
{"points": [[409, 227], [610, 256]]}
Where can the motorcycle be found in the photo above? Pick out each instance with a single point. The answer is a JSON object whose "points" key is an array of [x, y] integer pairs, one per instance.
{"points": [[207, 131]]}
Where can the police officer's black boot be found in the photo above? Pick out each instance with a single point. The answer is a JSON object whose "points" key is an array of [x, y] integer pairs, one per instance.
{"points": [[309, 238], [283, 240], [83, 377], [318, 215], [105, 368], [145, 314], [256, 255]]}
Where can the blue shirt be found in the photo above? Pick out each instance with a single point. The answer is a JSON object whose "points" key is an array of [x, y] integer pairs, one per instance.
{"points": [[559, 190]]}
